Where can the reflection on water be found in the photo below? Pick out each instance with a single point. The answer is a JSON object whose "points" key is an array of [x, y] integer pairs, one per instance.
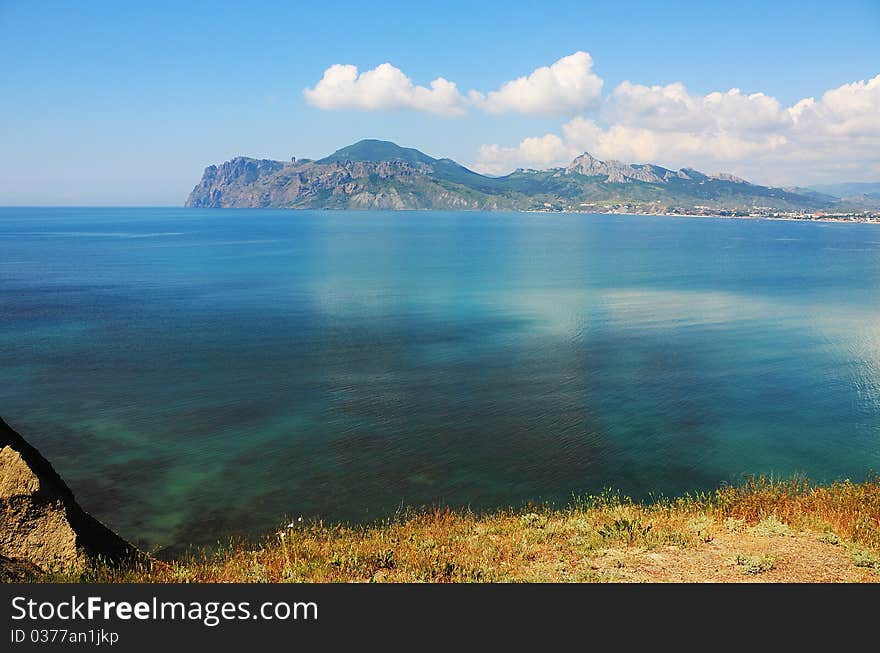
{"points": [[195, 374]]}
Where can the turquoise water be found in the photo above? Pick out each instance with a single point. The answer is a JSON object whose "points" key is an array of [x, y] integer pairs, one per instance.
{"points": [[200, 373]]}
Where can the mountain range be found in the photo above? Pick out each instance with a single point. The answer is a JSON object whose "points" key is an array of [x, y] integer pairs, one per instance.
{"points": [[373, 174]]}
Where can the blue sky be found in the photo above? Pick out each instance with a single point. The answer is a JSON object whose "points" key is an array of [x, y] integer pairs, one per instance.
{"points": [[126, 103]]}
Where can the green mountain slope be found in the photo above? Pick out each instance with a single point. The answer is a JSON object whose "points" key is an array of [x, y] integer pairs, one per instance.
{"points": [[375, 151]]}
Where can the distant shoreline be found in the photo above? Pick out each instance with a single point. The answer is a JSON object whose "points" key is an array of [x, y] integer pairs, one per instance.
{"points": [[869, 219], [854, 220]]}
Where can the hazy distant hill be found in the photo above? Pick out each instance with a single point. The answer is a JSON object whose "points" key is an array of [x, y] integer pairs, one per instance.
{"points": [[855, 189], [374, 174]]}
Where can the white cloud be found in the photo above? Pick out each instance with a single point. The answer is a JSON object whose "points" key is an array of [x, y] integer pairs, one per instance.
{"points": [[673, 108], [382, 88], [567, 87], [752, 135], [668, 147], [849, 110], [535, 152]]}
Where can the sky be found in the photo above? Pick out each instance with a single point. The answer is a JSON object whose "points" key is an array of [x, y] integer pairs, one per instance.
{"points": [[124, 103]]}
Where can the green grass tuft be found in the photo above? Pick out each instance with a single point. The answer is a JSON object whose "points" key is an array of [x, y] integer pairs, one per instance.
{"points": [[755, 564]]}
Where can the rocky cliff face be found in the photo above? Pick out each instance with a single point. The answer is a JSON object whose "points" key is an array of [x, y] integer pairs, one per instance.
{"points": [[615, 171], [381, 175], [228, 179], [42, 528], [244, 183], [622, 173]]}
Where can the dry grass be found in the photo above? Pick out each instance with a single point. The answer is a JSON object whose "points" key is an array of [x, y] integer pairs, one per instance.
{"points": [[764, 530]]}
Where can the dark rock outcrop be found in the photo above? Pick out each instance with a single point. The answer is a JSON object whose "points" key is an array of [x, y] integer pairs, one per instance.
{"points": [[42, 527]]}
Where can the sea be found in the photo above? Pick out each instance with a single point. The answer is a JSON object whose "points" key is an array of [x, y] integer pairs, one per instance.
{"points": [[199, 375]]}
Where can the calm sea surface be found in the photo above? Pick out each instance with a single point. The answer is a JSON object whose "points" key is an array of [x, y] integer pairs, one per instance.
{"points": [[198, 373]]}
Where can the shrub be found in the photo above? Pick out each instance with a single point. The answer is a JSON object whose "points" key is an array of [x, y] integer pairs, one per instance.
{"points": [[734, 525], [772, 526], [756, 564], [627, 530], [829, 537], [865, 558]]}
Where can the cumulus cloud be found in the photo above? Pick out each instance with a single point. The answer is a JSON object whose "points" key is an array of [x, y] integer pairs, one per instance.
{"points": [[565, 88], [752, 135], [849, 110], [535, 152], [382, 88], [640, 144], [673, 108]]}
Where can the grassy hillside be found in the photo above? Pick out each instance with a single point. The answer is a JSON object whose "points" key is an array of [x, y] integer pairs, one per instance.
{"points": [[373, 150], [763, 530]]}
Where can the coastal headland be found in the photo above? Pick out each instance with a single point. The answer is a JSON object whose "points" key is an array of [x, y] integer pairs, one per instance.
{"points": [[373, 174]]}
